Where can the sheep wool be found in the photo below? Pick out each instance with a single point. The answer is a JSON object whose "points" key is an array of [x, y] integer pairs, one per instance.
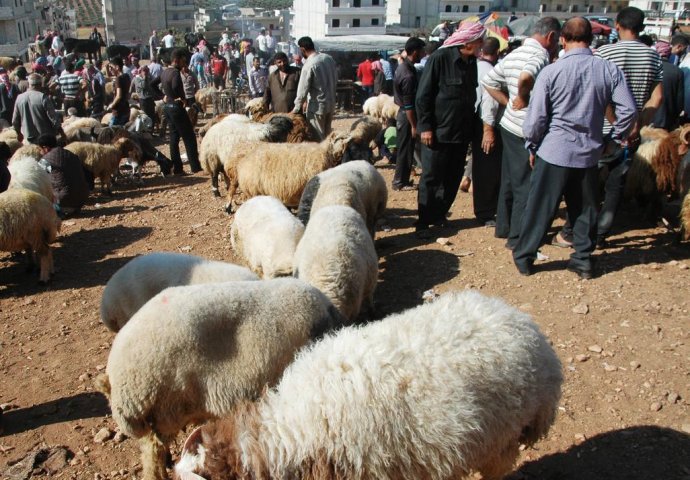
{"points": [[685, 218], [33, 151], [337, 256], [191, 353], [436, 392], [27, 173], [104, 160], [282, 170], [28, 222], [265, 235], [144, 277], [355, 184], [9, 136]]}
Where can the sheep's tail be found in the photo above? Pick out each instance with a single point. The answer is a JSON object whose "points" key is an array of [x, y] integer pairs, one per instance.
{"points": [[102, 384], [154, 456]]}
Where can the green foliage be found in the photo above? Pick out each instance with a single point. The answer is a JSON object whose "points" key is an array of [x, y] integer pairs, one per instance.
{"points": [[267, 4]]}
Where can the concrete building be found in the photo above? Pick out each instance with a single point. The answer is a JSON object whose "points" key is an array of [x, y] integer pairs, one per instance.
{"points": [[324, 18], [131, 21], [56, 16], [250, 22], [426, 14], [660, 6], [17, 27]]}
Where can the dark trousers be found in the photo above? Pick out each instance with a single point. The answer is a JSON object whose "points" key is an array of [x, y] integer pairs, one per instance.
{"points": [[148, 106], [405, 153], [512, 199], [181, 127], [613, 192], [442, 168], [486, 175], [77, 103], [548, 184]]}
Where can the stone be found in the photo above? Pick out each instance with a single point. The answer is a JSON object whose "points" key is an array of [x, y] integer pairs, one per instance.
{"points": [[635, 365], [103, 435], [581, 357], [442, 241], [672, 398], [595, 349], [580, 437], [655, 407], [610, 368], [119, 437]]}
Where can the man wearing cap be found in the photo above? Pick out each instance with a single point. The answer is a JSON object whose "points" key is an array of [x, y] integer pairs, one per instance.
{"points": [[34, 113], [516, 74], [445, 121]]}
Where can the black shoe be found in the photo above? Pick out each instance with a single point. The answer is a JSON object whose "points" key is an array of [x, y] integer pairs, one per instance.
{"points": [[196, 170], [180, 173], [602, 243], [581, 272], [509, 246], [525, 270]]}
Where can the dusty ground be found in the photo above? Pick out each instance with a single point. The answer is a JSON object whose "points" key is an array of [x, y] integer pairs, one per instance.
{"points": [[623, 338]]}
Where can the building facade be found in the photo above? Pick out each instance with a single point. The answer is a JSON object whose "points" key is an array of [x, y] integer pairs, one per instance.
{"points": [[52, 15], [17, 27], [324, 18]]}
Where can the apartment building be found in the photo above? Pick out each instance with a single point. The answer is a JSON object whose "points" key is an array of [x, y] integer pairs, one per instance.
{"points": [[17, 27], [324, 18]]}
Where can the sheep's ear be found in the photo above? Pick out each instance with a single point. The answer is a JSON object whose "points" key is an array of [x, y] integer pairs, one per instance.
{"points": [[685, 134]]}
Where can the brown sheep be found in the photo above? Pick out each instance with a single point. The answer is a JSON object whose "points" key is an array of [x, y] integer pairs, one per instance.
{"points": [[103, 161]]}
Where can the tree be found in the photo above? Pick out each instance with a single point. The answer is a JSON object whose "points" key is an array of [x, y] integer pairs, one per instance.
{"points": [[267, 4]]}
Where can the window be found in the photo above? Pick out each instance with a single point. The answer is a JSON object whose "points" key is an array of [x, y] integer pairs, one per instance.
{"points": [[574, 9], [417, 22], [449, 8], [482, 8], [465, 8], [355, 22], [374, 22], [559, 8], [175, 16], [357, 3], [375, 2], [335, 23], [336, 3], [19, 29]]}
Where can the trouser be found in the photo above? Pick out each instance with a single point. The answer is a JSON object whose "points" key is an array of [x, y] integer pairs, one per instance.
{"points": [[405, 152], [97, 106], [442, 167], [148, 106], [218, 81], [512, 198], [76, 103], [119, 120], [613, 192], [547, 185], [321, 122], [486, 175], [181, 127]]}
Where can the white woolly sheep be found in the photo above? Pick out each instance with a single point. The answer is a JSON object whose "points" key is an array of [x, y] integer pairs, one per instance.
{"points": [[373, 106], [389, 111], [281, 170], [9, 136], [28, 222], [81, 130], [31, 150], [103, 161], [265, 235], [207, 126], [435, 393], [27, 173], [208, 96], [220, 140], [191, 353], [355, 184], [144, 277], [337, 256]]}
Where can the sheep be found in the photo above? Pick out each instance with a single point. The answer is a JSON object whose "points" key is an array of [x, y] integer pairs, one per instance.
{"points": [[302, 131], [81, 130], [363, 132], [219, 143], [8, 63], [133, 114], [435, 392], [9, 136], [191, 353], [208, 96], [28, 222], [280, 170], [389, 111], [103, 160], [685, 218], [373, 106], [265, 235], [217, 119], [30, 150], [144, 277], [337, 256], [355, 184], [27, 173]]}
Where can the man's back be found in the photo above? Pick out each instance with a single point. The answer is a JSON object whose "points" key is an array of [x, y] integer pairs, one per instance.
{"points": [[32, 113], [323, 82]]}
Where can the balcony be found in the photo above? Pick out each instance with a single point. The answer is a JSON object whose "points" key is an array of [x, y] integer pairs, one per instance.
{"points": [[347, 8], [6, 13], [348, 30]]}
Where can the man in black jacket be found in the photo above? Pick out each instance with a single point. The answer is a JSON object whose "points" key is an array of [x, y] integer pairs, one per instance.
{"points": [[445, 121]]}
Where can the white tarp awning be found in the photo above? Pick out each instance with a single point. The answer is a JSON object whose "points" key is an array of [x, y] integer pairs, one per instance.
{"points": [[361, 43]]}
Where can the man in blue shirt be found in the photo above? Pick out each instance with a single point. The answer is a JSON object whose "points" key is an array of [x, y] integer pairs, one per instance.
{"points": [[563, 133]]}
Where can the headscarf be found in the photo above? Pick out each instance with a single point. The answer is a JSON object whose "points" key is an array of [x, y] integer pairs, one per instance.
{"points": [[663, 48], [377, 66], [80, 63], [466, 33], [5, 80], [42, 61]]}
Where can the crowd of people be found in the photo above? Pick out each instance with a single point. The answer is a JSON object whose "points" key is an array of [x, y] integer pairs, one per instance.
{"points": [[513, 110]]}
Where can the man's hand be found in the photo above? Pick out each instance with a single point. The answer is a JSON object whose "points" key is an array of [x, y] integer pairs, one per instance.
{"points": [[413, 132], [519, 103], [488, 140], [427, 138], [532, 158]]}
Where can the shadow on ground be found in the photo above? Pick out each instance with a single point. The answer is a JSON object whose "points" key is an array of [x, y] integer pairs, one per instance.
{"points": [[635, 453]]}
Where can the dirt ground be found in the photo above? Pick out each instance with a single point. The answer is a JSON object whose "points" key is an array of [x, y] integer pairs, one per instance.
{"points": [[623, 338]]}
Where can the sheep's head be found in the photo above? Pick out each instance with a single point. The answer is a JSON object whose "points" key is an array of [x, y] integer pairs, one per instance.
{"points": [[255, 108], [128, 148], [684, 136], [337, 146]]}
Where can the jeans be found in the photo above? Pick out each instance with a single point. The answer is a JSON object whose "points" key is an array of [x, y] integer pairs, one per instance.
{"points": [[181, 127], [119, 120], [405, 156]]}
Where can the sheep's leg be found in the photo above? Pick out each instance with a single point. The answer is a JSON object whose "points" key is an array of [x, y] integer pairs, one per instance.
{"points": [[232, 188], [30, 261], [154, 455], [46, 266], [214, 184]]}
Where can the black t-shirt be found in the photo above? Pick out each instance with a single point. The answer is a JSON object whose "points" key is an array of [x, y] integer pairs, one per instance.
{"points": [[123, 82]]}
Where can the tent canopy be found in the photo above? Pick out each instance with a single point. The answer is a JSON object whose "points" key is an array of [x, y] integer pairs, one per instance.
{"points": [[361, 43], [523, 25]]}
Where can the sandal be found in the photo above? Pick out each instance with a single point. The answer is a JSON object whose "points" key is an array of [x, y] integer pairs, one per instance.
{"points": [[559, 241]]}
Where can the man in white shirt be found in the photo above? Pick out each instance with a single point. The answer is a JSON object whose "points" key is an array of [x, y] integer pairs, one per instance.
{"points": [[262, 44], [270, 43], [169, 40]]}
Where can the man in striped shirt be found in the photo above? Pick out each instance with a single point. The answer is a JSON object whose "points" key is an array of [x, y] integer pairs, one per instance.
{"points": [[70, 87], [516, 74], [642, 68]]}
